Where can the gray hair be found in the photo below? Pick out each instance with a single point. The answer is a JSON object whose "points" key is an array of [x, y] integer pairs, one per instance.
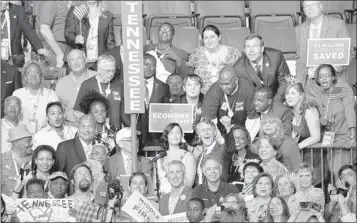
{"points": [[208, 121], [82, 53], [12, 97], [87, 116], [105, 57], [30, 62], [176, 162]]}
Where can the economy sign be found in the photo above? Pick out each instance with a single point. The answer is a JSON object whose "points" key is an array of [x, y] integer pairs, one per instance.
{"points": [[335, 51], [133, 57], [160, 115]]}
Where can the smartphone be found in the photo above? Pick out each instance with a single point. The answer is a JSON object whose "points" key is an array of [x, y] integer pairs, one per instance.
{"points": [[342, 191]]}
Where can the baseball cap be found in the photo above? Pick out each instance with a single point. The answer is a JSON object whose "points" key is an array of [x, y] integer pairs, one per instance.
{"points": [[124, 133], [58, 174]]}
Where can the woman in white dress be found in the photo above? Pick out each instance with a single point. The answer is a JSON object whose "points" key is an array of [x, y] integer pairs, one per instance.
{"points": [[171, 142]]}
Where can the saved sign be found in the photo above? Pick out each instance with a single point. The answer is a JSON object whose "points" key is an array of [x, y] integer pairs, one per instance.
{"points": [[334, 51], [160, 115]]}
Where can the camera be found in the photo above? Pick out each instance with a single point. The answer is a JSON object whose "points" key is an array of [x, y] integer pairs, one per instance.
{"points": [[339, 191], [310, 205], [114, 188]]}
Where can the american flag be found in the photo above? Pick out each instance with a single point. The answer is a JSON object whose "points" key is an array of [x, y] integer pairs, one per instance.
{"points": [[80, 11]]}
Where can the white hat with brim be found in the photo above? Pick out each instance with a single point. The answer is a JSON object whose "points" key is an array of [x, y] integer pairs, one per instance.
{"points": [[124, 133], [19, 132]]}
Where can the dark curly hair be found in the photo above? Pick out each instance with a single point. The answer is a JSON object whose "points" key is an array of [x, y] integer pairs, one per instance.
{"points": [[39, 149], [164, 142], [89, 98]]}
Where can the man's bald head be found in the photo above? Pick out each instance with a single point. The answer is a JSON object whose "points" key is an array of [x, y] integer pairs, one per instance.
{"points": [[87, 128], [228, 79]]}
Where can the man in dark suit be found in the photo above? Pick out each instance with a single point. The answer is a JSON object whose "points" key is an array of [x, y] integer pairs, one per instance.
{"points": [[121, 162], [75, 151], [180, 193], [317, 26], [263, 66], [15, 23], [206, 131], [169, 58], [264, 104], [110, 87], [156, 92], [10, 81]]}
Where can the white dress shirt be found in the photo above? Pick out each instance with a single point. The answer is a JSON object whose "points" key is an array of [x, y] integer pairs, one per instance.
{"points": [[125, 162], [150, 85], [87, 148], [48, 136], [44, 96], [206, 151]]}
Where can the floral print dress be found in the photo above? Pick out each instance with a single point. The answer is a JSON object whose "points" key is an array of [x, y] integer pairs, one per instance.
{"points": [[209, 70]]}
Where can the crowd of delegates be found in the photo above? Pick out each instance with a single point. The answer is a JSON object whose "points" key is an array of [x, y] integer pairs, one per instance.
{"points": [[251, 121]]}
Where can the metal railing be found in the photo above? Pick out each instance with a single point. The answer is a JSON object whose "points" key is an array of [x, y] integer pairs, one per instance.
{"points": [[327, 159]]}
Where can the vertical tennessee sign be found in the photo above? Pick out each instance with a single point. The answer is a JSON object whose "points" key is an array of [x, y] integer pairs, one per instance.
{"points": [[133, 57]]}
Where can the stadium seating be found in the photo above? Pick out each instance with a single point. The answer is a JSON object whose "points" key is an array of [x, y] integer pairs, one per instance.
{"points": [[337, 8], [178, 13], [282, 38], [223, 14], [234, 37], [185, 38], [273, 14]]}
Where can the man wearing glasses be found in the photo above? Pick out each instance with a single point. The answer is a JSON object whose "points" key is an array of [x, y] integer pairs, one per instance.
{"points": [[110, 87], [317, 26]]}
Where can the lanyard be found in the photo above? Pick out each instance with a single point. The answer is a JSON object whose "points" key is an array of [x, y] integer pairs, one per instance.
{"points": [[34, 102], [230, 111], [107, 91]]}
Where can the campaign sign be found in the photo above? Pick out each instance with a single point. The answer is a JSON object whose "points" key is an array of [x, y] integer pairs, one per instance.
{"points": [[180, 217], [44, 210], [141, 209], [335, 51], [160, 115]]}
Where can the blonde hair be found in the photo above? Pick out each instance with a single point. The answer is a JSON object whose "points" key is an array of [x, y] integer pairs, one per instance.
{"points": [[280, 129]]}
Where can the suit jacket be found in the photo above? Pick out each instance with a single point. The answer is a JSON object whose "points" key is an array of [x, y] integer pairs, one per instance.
{"points": [[68, 154], [19, 24], [10, 81], [180, 207], [222, 153], [116, 117], [274, 67], [170, 64], [106, 37], [330, 28], [160, 94], [115, 165]]}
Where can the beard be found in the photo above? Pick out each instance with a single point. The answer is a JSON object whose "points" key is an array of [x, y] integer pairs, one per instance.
{"points": [[84, 185]]}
